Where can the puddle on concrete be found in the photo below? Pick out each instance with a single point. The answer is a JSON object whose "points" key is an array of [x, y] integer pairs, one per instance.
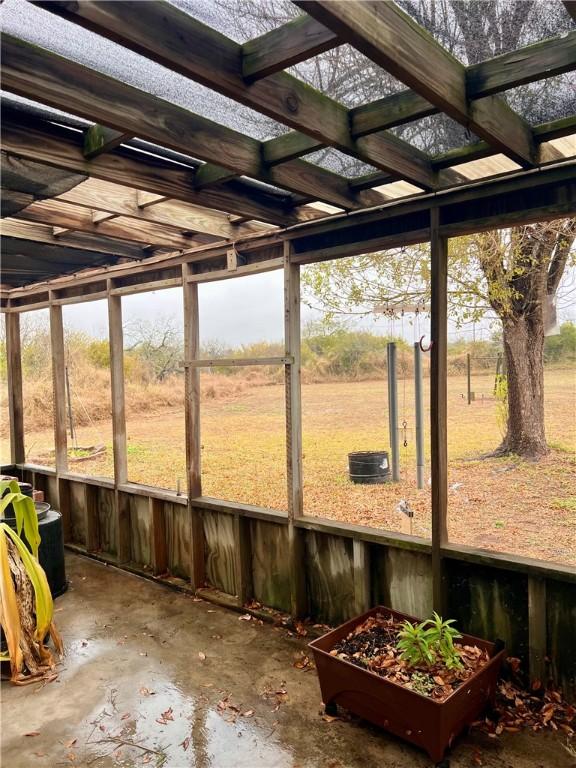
{"points": [[160, 725]]}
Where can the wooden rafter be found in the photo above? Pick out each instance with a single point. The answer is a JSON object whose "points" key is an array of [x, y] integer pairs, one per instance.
{"points": [[296, 41], [43, 233], [544, 59], [543, 134], [171, 37], [521, 198], [36, 73], [526, 65], [389, 37], [118, 200], [75, 218], [43, 142]]}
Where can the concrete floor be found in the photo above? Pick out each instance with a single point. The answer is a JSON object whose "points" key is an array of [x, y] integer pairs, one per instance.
{"points": [[151, 667]]}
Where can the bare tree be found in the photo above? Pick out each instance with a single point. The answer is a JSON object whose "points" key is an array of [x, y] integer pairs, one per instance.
{"points": [[158, 343]]}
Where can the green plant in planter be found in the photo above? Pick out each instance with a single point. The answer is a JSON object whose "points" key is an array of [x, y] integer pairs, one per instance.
{"points": [[26, 607], [414, 642], [24, 511], [429, 642]]}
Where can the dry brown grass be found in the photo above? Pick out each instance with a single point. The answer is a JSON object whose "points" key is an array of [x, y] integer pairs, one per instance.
{"points": [[90, 390], [500, 504]]}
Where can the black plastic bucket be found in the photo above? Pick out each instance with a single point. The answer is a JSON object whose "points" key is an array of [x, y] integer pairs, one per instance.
{"points": [[51, 551], [51, 554], [369, 467]]}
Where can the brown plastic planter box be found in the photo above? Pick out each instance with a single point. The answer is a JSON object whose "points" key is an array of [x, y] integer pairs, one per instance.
{"points": [[429, 724]]}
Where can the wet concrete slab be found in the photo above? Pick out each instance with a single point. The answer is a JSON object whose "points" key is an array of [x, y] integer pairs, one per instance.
{"points": [[152, 677]]}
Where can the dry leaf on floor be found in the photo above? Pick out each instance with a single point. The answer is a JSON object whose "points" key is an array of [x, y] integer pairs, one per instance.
{"points": [[165, 717]]}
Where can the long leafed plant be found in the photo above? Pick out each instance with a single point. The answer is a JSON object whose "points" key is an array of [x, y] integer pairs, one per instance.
{"points": [[26, 607]]}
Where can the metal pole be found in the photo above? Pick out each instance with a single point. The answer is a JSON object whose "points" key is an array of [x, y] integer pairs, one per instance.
{"points": [[393, 411], [419, 415], [469, 378]]}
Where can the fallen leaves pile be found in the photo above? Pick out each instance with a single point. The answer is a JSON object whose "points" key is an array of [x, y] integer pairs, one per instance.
{"points": [[537, 708], [372, 646]]}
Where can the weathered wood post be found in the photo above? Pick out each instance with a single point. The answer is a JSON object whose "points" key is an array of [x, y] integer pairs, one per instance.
{"points": [[393, 410], [192, 424], [438, 403], [294, 431], [116, 340], [15, 397]]}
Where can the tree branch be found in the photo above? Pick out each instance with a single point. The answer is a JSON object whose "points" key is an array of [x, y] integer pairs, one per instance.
{"points": [[560, 257]]}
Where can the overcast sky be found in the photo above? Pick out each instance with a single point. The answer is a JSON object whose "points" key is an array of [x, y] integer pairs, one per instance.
{"points": [[236, 312]]}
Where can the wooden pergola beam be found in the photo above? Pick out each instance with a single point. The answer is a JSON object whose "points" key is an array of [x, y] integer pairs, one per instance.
{"points": [[534, 62], [71, 217], [43, 233], [163, 33], [389, 37], [543, 133], [526, 65], [296, 41], [118, 200], [521, 198], [43, 142], [39, 74]]}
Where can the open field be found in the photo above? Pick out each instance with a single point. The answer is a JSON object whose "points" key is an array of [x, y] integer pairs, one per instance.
{"points": [[498, 504]]}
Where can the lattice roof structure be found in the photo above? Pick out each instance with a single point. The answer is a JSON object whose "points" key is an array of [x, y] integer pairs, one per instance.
{"points": [[120, 142]]}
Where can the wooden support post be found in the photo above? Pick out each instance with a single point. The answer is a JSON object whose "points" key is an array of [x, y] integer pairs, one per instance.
{"points": [[159, 540], [362, 589], [64, 508], [123, 527], [91, 518], [537, 629], [438, 404], [192, 424], [243, 546], [294, 431], [116, 336], [15, 398], [59, 387]]}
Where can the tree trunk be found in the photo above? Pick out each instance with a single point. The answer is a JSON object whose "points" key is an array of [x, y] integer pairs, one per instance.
{"points": [[524, 353]]}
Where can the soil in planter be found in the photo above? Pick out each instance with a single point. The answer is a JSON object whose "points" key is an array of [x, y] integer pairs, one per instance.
{"points": [[372, 646]]}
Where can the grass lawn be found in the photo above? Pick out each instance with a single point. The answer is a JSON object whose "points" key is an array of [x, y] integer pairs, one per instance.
{"points": [[499, 504]]}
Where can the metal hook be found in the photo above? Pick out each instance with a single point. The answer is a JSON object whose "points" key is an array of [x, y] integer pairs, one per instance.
{"points": [[429, 346]]}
